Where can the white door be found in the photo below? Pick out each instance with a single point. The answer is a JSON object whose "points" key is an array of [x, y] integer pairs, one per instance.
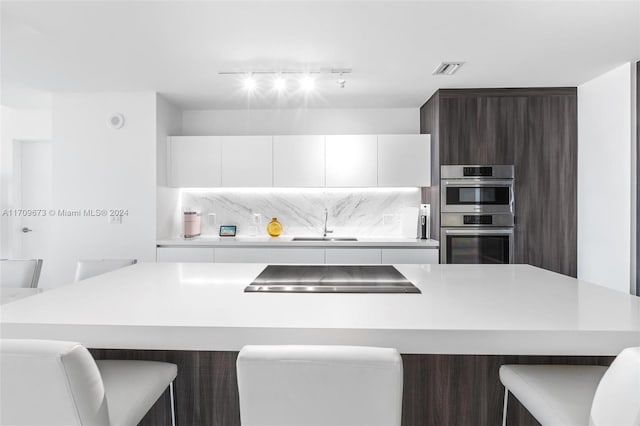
{"points": [[404, 160], [195, 161], [242, 255], [296, 255], [410, 255], [351, 160], [184, 254], [353, 256], [247, 161], [33, 225], [298, 161]]}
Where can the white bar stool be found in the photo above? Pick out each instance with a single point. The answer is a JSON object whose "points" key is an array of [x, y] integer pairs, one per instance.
{"points": [[87, 268], [46, 382], [319, 386], [16, 273], [578, 394]]}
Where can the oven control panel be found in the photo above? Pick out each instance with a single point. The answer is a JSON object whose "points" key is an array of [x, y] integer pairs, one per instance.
{"points": [[476, 220], [482, 219], [477, 171]]}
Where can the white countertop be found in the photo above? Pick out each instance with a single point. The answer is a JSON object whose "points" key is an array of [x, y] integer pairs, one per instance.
{"points": [[286, 241], [463, 309]]}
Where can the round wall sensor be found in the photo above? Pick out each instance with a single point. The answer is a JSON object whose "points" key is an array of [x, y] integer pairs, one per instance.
{"points": [[116, 121]]}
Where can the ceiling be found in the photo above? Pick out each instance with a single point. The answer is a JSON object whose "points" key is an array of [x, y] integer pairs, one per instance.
{"points": [[177, 48]]}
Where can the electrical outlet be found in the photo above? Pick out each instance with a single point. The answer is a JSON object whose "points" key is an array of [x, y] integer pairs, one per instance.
{"points": [[257, 218], [389, 219], [115, 220]]}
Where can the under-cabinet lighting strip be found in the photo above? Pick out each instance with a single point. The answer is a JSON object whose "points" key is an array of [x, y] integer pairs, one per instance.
{"points": [[297, 190]]}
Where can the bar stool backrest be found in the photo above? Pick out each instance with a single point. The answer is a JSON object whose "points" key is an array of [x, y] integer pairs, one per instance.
{"points": [[48, 382], [20, 273], [617, 398]]}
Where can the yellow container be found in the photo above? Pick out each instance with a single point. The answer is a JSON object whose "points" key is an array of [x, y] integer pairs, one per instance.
{"points": [[274, 228]]}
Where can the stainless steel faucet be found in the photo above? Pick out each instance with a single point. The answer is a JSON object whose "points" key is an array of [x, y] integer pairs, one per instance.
{"points": [[326, 217]]}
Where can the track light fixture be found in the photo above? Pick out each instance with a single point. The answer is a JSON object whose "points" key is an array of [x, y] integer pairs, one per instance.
{"points": [[306, 79]]}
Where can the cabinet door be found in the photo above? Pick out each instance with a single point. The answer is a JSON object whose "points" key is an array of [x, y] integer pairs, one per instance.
{"points": [[184, 254], [409, 255], [194, 161], [247, 161], [353, 256], [296, 255], [298, 161], [351, 161], [404, 160], [242, 255]]}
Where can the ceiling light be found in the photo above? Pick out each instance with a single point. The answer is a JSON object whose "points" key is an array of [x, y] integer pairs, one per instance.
{"points": [[250, 83], [249, 78], [307, 83], [280, 84], [448, 68]]}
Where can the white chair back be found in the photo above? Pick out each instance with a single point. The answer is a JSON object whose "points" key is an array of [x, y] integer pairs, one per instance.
{"points": [[50, 383], [319, 385], [88, 268], [617, 398], [20, 273]]}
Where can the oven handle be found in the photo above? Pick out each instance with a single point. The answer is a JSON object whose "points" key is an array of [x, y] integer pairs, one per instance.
{"points": [[478, 231], [472, 183]]}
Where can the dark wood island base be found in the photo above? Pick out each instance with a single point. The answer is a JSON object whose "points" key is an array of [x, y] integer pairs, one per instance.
{"points": [[439, 390]]}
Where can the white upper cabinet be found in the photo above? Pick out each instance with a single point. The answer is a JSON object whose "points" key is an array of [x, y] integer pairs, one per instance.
{"points": [[298, 161], [351, 161], [404, 160], [247, 161], [194, 161], [338, 161]]}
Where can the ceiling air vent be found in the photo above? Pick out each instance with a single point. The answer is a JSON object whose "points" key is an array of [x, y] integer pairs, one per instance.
{"points": [[448, 68]]}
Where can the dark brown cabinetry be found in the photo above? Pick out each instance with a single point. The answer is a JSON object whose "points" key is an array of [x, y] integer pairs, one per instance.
{"points": [[533, 129]]}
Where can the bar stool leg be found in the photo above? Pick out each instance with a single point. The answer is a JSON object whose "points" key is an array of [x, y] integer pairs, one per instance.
{"points": [[504, 409], [173, 405]]}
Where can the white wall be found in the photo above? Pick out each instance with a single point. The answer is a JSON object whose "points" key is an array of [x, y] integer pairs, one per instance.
{"points": [[168, 123], [605, 176], [301, 121], [16, 125], [97, 167]]}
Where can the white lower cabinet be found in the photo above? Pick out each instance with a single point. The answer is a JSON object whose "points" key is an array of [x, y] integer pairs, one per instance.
{"points": [[351, 256], [412, 256], [184, 254], [242, 255], [292, 255]]}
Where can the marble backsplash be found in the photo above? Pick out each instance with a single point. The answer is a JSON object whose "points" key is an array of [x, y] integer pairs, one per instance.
{"points": [[379, 212]]}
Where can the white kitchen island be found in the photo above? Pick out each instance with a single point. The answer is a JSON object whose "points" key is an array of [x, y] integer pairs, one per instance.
{"points": [[466, 322], [463, 309]]}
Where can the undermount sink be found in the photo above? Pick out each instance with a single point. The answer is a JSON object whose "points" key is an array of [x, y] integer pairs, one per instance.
{"points": [[324, 239]]}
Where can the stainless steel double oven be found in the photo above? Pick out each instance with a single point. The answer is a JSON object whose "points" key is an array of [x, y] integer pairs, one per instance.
{"points": [[477, 208]]}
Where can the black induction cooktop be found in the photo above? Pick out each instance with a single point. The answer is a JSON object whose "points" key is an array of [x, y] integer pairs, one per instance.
{"points": [[331, 279]]}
